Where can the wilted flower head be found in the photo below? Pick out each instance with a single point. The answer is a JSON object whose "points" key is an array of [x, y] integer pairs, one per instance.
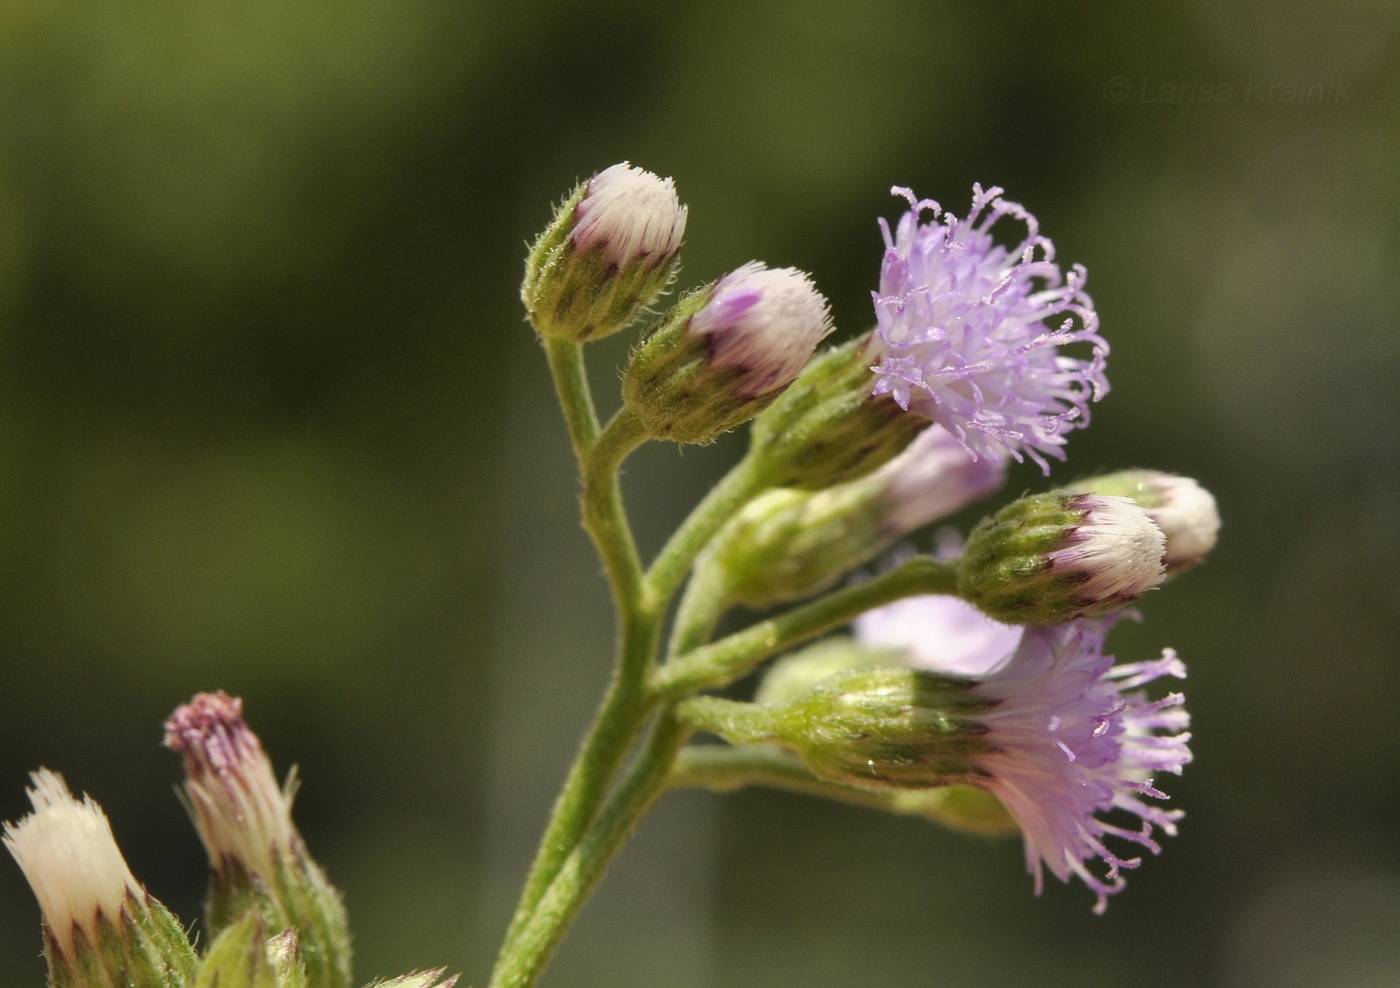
{"points": [[969, 332], [1072, 739], [242, 814], [67, 852], [631, 214], [245, 821]]}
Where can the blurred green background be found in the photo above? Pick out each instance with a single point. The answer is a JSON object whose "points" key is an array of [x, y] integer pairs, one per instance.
{"points": [[271, 421]]}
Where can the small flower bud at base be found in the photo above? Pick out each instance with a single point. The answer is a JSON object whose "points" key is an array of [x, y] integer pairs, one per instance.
{"points": [[101, 928], [611, 249], [788, 544], [725, 353], [1049, 558], [795, 674]]}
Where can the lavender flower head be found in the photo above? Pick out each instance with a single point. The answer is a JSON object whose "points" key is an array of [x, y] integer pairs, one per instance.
{"points": [[243, 816], [1074, 739], [968, 332]]}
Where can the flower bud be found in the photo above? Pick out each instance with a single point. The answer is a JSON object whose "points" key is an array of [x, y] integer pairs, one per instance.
{"points": [[828, 428], [612, 248], [788, 544], [725, 353], [242, 956], [244, 819], [101, 928], [873, 728], [1183, 509], [795, 674], [1048, 558]]}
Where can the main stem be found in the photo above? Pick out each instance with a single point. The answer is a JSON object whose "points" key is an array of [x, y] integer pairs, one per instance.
{"points": [[525, 958], [625, 708]]}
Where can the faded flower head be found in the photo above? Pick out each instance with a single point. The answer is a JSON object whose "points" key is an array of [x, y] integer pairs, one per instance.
{"points": [[631, 214], [68, 855], [1072, 739], [242, 814], [969, 332], [763, 324]]}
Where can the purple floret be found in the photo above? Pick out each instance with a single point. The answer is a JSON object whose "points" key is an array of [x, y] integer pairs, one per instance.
{"points": [[969, 332]]}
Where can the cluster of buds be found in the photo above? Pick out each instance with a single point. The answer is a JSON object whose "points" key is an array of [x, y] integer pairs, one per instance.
{"points": [[274, 919]]}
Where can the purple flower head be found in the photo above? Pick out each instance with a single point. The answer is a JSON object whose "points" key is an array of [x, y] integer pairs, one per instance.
{"points": [[1074, 739], [968, 332]]}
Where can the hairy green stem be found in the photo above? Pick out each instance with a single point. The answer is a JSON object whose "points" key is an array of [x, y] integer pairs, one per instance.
{"points": [[730, 658], [626, 706], [704, 602], [524, 960], [736, 489], [575, 397]]}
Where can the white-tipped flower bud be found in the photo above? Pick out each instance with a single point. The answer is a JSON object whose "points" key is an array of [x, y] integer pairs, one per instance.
{"points": [[630, 215], [612, 248], [244, 819], [1183, 509], [101, 928], [725, 353], [70, 858], [1049, 558]]}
